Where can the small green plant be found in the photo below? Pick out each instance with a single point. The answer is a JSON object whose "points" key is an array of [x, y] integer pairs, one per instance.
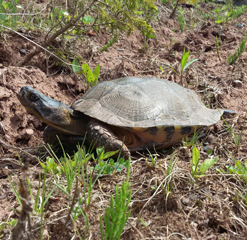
{"points": [[6, 225], [87, 19], [116, 214], [181, 19], [199, 172], [233, 58], [145, 224], [181, 22], [153, 160], [111, 166], [238, 11], [110, 43], [239, 168], [66, 166], [188, 141], [224, 14], [44, 199], [91, 76], [170, 168], [218, 48], [184, 64], [51, 166], [236, 137], [102, 155]]}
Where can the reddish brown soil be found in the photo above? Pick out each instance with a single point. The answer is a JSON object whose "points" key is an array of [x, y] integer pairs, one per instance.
{"points": [[208, 209]]}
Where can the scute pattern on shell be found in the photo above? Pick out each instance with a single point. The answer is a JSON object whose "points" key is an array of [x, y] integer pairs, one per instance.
{"points": [[145, 102]]}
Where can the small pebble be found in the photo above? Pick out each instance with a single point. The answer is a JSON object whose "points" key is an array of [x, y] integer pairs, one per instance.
{"points": [[29, 131], [185, 201], [240, 24], [237, 83], [208, 148], [23, 52], [210, 138]]}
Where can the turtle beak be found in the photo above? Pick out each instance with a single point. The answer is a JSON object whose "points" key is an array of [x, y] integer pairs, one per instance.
{"points": [[21, 94]]}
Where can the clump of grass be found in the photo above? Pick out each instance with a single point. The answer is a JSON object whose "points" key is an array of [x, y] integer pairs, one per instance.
{"points": [[181, 21], [116, 215], [236, 137], [233, 58], [110, 43], [239, 169], [218, 48]]}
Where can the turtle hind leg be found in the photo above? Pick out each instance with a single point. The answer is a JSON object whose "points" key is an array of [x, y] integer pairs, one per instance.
{"points": [[101, 135]]}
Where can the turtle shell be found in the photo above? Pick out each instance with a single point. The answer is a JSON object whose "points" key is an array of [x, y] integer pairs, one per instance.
{"points": [[145, 102]]}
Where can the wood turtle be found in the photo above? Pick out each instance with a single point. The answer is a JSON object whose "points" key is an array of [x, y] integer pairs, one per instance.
{"points": [[143, 112]]}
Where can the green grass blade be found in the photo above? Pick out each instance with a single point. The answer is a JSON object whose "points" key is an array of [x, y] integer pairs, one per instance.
{"points": [[184, 60], [189, 63]]}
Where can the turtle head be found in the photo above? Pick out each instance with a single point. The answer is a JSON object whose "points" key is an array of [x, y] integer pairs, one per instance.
{"points": [[48, 110]]}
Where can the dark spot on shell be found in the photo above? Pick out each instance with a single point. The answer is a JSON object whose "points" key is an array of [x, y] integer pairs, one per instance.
{"points": [[185, 130], [152, 130], [169, 132]]}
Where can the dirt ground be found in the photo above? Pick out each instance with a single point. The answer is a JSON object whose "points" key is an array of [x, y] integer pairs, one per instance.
{"points": [[211, 207]]}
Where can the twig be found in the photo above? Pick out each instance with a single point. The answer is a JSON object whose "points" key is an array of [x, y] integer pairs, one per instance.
{"points": [[24, 218], [36, 44], [17, 148], [141, 235], [193, 190], [130, 60], [174, 10]]}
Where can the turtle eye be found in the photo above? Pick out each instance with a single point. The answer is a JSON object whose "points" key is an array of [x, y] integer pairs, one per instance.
{"points": [[33, 97]]}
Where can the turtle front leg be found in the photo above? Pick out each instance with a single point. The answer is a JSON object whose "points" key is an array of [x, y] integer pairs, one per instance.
{"points": [[70, 142], [101, 135]]}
